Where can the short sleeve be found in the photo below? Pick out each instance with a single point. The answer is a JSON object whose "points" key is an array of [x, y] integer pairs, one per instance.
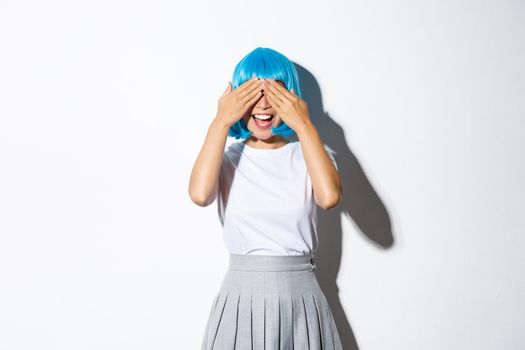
{"points": [[331, 154], [225, 172], [218, 193], [221, 175]]}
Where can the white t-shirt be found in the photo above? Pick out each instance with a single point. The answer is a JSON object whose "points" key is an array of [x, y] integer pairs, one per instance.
{"points": [[266, 202]]}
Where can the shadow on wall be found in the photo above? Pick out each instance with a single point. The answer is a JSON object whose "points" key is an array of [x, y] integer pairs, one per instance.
{"points": [[360, 202]]}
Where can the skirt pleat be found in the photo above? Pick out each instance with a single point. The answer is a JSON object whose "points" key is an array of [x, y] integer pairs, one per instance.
{"points": [[258, 318], [286, 322], [270, 303], [272, 326]]}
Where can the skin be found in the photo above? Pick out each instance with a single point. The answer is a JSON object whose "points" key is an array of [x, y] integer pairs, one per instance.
{"points": [[263, 96], [262, 138]]}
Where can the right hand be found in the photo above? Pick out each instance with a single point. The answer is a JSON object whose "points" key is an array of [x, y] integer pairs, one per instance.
{"points": [[233, 105]]}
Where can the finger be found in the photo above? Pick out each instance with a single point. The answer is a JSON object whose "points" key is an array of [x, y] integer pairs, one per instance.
{"points": [[246, 85], [247, 95], [270, 86], [254, 98], [280, 90], [228, 89], [271, 90], [275, 104], [274, 100]]}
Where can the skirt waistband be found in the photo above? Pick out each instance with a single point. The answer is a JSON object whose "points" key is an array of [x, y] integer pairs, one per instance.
{"points": [[242, 262]]}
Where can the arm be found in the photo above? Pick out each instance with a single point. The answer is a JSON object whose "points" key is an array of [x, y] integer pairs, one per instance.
{"points": [[323, 173], [326, 182], [233, 104], [204, 179]]}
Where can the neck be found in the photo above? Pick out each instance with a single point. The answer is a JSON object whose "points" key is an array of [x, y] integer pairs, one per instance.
{"points": [[272, 142]]}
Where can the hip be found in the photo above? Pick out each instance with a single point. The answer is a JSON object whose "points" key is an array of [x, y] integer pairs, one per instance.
{"points": [[271, 275]]}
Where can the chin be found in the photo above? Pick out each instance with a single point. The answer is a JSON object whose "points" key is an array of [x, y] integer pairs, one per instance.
{"points": [[262, 135]]}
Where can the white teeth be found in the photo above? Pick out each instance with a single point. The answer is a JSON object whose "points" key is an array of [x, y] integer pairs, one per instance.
{"points": [[262, 116]]}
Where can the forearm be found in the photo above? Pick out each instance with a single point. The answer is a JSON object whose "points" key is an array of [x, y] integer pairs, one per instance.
{"points": [[205, 173], [326, 182]]}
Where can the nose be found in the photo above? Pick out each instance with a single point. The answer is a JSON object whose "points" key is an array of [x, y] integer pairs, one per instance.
{"points": [[263, 102]]}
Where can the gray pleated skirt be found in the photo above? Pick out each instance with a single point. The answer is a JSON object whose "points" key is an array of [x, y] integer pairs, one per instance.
{"points": [[269, 302]]}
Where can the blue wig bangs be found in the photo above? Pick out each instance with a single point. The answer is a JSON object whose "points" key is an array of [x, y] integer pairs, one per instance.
{"points": [[264, 63]]}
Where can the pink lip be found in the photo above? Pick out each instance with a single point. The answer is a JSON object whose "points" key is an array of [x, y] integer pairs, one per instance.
{"points": [[264, 125]]}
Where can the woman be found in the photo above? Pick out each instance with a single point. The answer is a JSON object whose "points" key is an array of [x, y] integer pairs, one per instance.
{"points": [[267, 189]]}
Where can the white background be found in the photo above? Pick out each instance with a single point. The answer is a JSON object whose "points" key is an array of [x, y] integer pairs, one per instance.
{"points": [[104, 106]]}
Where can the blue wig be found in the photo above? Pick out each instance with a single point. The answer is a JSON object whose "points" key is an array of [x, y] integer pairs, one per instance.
{"points": [[265, 63]]}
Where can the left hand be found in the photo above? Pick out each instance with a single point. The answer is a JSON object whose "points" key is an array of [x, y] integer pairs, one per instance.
{"points": [[291, 108]]}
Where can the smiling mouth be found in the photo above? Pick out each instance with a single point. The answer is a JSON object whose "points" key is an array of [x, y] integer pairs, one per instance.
{"points": [[263, 117], [263, 121]]}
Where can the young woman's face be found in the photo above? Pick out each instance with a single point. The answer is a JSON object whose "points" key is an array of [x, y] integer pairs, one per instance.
{"points": [[262, 118]]}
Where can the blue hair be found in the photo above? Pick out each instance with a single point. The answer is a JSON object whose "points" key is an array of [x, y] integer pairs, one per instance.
{"points": [[264, 63]]}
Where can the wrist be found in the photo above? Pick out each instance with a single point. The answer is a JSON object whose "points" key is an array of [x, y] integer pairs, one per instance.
{"points": [[304, 128], [220, 122]]}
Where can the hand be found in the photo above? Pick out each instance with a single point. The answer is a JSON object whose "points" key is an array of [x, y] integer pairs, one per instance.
{"points": [[233, 105], [290, 107]]}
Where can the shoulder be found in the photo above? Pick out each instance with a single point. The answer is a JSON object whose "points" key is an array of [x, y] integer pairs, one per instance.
{"points": [[232, 153], [327, 148], [233, 149]]}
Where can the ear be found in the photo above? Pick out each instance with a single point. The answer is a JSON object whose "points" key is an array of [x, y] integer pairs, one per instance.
{"points": [[293, 92]]}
